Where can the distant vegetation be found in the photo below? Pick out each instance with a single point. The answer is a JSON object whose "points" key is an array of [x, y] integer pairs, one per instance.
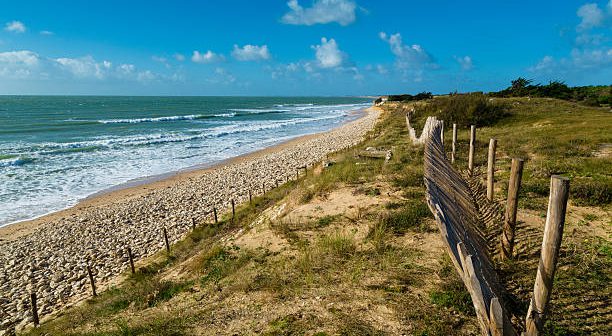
{"points": [[588, 95], [409, 97], [463, 109]]}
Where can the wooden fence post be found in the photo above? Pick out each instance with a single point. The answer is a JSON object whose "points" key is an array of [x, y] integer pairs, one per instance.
{"points": [[215, 215], [131, 257], [551, 243], [34, 309], [491, 168], [233, 210], [166, 240], [454, 150], [91, 279], [250, 197], [514, 185], [472, 144], [442, 132], [193, 223]]}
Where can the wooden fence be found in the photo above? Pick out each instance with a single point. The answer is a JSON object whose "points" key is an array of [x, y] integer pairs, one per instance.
{"points": [[461, 220]]}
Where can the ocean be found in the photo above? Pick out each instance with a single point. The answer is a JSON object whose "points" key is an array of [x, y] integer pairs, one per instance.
{"points": [[57, 150]]}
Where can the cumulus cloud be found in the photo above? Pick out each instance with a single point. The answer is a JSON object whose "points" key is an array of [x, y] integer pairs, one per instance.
{"points": [[15, 27], [84, 67], [251, 52], [465, 62], [407, 56], [89, 68], [321, 12], [591, 16], [577, 61], [591, 51], [18, 64], [179, 57], [207, 57], [328, 54], [223, 76]]}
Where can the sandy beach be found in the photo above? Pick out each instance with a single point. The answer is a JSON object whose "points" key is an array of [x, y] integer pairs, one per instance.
{"points": [[48, 255]]}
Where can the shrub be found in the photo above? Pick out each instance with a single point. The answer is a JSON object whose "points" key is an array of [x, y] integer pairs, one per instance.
{"points": [[464, 110]]}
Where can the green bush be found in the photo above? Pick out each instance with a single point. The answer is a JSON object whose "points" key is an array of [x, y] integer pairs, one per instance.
{"points": [[464, 110]]}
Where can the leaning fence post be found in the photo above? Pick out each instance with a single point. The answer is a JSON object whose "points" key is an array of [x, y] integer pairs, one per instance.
{"points": [[233, 210], [442, 132], [215, 215], [34, 309], [250, 197], [551, 243], [193, 223], [131, 257], [472, 144], [454, 150], [91, 279], [516, 173], [166, 240], [491, 168]]}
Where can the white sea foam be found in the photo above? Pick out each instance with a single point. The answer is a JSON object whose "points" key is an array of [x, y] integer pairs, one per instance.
{"points": [[48, 176]]}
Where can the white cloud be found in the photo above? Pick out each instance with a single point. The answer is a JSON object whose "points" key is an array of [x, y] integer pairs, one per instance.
{"points": [[591, 16], [407, 56], [179, 57], [328, 54], [84, 67], [577, 61], [251, 53], [23, 57], [18, 64], [207, 57], [146, 76], [222, 76], [46, 32], [15, 27], [465, 62], [322, 11], [159, 59], [381, 69]]}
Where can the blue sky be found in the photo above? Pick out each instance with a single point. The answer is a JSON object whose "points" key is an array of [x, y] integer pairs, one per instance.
{"points": [[303, 47]]}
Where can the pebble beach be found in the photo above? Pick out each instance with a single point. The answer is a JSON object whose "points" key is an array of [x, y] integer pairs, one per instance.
{"points": [[48, 256]]}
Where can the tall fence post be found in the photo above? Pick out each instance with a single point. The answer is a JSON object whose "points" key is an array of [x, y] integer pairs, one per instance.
{"points": [[250, 197], [551, 243], [454, 150], [131, 257], [233, 210], [34, 309], [215, 215], [472, 144], [491, 168], [166, 240], [91, 279], [514, 185]]}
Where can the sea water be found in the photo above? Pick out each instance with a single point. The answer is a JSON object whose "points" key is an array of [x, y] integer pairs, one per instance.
{"points": [[56, 150]]}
